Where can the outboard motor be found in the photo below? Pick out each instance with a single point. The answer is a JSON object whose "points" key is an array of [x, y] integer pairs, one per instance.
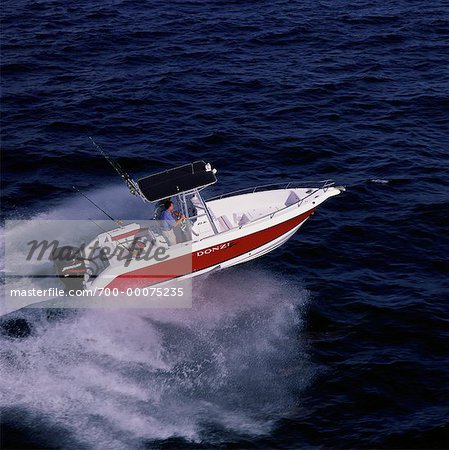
{"points": [[70, 267]]}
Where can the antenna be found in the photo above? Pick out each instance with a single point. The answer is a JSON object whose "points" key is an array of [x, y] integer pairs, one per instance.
{"points": [[132, 185], [118, 222]]}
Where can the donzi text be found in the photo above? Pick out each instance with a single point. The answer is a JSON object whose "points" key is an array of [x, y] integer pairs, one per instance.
{"points": [[215, 248]]}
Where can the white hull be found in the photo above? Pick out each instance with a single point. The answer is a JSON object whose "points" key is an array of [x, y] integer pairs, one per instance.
{"points": [[233, 244]]}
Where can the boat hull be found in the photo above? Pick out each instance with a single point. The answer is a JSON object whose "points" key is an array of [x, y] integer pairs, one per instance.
{"points": [[235, 247]]}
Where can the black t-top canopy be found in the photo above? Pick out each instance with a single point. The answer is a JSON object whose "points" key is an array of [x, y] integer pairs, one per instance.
{"points": [[175, 181]]}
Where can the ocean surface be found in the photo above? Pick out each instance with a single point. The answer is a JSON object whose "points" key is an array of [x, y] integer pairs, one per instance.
{"points": [[339, 338]]}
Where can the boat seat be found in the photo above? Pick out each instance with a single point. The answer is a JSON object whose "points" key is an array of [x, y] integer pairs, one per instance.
{"points": [[225, 223], [196, 202], [246, 218], [291, 199], [198, 205]]}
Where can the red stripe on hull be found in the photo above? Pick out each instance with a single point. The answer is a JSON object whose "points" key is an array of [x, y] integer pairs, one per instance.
{"points": [[205, 258], [163, 271], [244, 244], [128, 234]]}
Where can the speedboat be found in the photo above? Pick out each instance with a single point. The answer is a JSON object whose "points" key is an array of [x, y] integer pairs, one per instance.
{"points": [[214, 233]]}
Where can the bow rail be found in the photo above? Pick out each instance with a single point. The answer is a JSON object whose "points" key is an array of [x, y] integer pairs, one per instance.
{"points": [[316, 185]]}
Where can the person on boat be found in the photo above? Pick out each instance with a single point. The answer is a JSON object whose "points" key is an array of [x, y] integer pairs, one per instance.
{"points": [[168, 222]]}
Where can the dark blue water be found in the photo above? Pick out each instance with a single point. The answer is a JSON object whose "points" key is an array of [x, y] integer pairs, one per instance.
{"points": [[338, 339]]}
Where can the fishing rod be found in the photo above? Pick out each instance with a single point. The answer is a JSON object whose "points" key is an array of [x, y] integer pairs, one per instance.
{"points": [[118, 222], [99, 226], [132, 185]]}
